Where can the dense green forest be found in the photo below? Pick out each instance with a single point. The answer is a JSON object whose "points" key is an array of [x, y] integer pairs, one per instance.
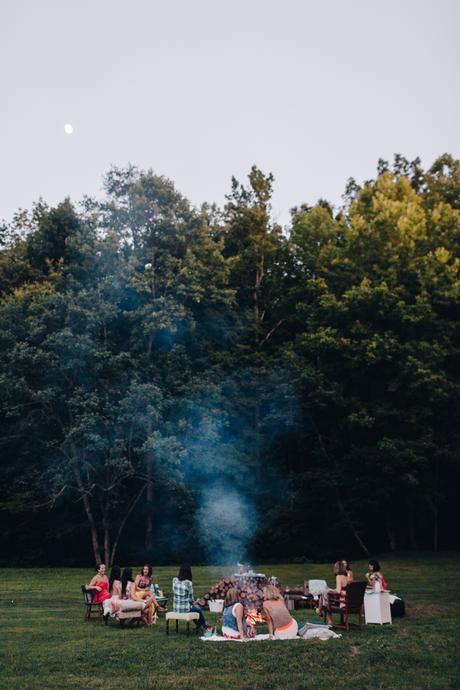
{"points": [[201, 384]]}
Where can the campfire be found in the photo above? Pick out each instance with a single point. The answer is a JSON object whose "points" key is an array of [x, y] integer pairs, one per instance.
{"points": [[250, 584], [254, 616]]}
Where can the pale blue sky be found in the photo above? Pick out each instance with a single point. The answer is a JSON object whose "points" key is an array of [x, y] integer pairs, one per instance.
{"points": [[199, 90]]}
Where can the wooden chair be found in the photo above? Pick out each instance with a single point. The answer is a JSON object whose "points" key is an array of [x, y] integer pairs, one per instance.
{"points": [[353, 604], [89, 604]]}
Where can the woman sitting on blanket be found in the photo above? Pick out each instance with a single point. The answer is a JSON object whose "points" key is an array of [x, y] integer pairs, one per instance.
{"points": [[100, 585], [281, 625], [234, 625]]}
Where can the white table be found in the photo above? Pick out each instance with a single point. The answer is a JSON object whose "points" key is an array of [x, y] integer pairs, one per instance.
{"points": [[377, 607]]}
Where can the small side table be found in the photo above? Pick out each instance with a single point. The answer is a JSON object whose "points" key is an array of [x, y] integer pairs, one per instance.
{"points": [[377, 607]]}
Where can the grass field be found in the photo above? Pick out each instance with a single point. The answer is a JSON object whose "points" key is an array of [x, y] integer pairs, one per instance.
{"points": [[46, 644]]}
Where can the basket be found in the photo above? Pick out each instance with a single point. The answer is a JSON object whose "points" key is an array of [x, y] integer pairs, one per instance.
{"points": [[216, 606]]}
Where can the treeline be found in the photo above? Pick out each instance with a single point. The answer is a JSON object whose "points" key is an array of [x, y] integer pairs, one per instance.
{"points": [[181, 383]]}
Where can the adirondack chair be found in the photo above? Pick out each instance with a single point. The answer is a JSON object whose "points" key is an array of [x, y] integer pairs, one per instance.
{"points": [[353, 604]]}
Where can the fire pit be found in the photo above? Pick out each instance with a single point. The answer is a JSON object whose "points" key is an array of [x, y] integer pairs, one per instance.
{"points": [[250, 584], [254, 616]]}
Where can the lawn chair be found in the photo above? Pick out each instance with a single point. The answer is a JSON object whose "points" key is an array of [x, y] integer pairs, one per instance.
{"points": [[89, 604], [353, 604]]}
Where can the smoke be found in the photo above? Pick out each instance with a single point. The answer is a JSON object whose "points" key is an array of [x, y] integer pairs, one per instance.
{"points": [[226, 521], [232, 428]]}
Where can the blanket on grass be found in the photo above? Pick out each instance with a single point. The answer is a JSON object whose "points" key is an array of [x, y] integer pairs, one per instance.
{"points": [[221, 638], [322, 631]]}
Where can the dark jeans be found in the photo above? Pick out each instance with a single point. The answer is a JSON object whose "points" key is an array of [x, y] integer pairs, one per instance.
{"points": [[201, 622]]}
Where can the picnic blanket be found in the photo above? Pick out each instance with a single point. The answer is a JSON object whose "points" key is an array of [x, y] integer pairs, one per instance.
{"points": [[257, 638], [321, 631]]}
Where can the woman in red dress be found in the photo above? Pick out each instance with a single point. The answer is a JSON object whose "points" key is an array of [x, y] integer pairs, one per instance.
{"points": [[100, 585]]}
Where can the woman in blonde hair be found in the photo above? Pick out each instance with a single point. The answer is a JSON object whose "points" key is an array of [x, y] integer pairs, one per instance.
{"points": [[281, 625], [234, 625]]}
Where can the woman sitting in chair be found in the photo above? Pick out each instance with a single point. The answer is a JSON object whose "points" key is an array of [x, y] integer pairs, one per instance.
{"points": [[341, 582], [375, 576], [114, 590], [183, 596], [346, 565], [126, 601], [127, 583], [281, 625], [100, 585], [141, 591], [115, 581]]}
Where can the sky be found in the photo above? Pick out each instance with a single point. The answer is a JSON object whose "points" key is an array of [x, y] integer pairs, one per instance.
{"points": [[200, 90]]}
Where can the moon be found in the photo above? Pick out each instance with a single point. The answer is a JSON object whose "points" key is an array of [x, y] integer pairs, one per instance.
{"points": [[68, 129]]}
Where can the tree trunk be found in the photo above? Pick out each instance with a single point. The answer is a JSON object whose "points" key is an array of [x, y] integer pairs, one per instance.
{"points": [[340, 505], [106, 528], [434, 504], [434, 512], [435, 527], [123, 523], [390, 534], [411, 523], [349, 522], [260, 260], [149, 503], [89, 514]]}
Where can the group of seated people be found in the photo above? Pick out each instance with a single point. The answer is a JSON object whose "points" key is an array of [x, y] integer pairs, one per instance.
{"points": [[343, 576], [115, 593], [281, 625]]}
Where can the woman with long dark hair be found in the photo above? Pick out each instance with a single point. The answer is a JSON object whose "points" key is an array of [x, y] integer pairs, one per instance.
{"points": [[115, 581], [183, 596], [141, 591], [375, 575], [126, 582]]}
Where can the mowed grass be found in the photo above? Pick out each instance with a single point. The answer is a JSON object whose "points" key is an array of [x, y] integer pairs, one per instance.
{"points": [[46, 644]]}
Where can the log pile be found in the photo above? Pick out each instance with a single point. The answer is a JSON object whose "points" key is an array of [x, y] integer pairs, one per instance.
{"points": [[217, 591], [251, 589]]}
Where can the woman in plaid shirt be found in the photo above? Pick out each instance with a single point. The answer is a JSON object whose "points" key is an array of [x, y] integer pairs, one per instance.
{"points": [[183, 596]]}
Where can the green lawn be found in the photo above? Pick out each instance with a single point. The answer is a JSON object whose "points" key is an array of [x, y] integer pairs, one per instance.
{"points": [[45, 643]]}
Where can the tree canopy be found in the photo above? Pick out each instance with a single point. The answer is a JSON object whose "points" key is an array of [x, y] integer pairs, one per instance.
{"points": [[201, 384]]}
